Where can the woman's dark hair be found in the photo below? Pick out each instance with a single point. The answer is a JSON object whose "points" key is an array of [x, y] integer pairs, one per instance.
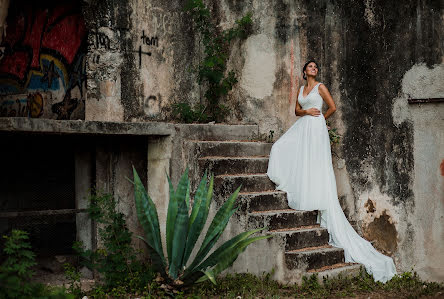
{"points": [[305, 66]]}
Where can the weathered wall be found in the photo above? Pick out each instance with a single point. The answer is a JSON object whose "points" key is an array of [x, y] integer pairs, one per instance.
{"points": [[42, 61], [373, 56], [367, 52], [139, 55]]}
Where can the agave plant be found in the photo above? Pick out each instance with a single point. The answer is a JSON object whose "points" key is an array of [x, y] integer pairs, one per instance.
{"points": [[183, 228]]}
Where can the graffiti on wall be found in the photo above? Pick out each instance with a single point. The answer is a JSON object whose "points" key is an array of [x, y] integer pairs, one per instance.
{"points": [[146, 41], [27, 105], [44, 53]]}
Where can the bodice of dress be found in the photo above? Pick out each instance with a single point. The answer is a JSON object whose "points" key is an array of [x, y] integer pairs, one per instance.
{"points": [[312, 100]]}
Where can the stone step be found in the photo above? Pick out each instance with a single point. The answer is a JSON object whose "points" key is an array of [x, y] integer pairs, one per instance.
{"points": [[232, 165], [262, 201], [343, 269], [216, 132], [313, 258], [225, 185], [303, 237], [231, 148], [281, 219]]}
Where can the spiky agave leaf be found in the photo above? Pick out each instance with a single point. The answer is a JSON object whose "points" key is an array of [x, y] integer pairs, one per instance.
{"points": [[197, 218], [173, 207], [179, 241], [180, 228], [215, 256], [210, 275], [227, 258], [216, 228], [148, 218], [198, 198]]}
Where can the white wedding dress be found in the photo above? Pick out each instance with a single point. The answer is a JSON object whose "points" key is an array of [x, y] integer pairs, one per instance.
{"points": [[300, 164]]}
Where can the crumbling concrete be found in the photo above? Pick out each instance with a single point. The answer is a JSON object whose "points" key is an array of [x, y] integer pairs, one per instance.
{"points": [[373, 56]]}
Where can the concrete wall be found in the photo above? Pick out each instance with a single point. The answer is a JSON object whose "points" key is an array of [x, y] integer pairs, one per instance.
{"points": [[373, 56]]}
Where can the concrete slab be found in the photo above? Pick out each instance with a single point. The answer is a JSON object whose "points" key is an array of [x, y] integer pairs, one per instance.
{"points": [[32, 125]]}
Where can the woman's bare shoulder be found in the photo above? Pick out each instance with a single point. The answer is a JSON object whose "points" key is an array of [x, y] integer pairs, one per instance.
{"points": [[322, 87]]}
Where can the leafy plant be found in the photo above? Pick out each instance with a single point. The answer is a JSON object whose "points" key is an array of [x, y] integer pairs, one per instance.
{"points": [[16, 273], [73, 276], [116, 260], [188, 114], [183, 228], [212, 70], [332, 133], [263, 137]]}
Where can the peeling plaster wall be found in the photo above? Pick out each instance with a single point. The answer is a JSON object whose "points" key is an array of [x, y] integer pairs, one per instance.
{"points": [[373, 56], [422, 81], [140, 54]]}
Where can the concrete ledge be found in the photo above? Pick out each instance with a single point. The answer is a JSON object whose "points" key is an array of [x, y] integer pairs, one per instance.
{"points": [[193, 131], [51, 126], [217, 132]]}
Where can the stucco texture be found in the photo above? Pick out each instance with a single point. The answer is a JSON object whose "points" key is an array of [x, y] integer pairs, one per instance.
{"points": [[373, 55]]}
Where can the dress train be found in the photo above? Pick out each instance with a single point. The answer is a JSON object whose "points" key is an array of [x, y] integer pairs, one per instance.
{"points": [[300, 164]]}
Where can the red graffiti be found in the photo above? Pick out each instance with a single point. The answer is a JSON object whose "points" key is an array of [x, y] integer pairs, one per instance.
{"points": [[57, 31], [442, 168]]}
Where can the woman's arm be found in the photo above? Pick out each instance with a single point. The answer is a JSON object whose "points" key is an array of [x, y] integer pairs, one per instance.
{"points": [[300, 112], [326, 96]]}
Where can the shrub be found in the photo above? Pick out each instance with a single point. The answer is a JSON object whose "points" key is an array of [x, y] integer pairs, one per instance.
{"points": [[16, 273], [116, 260], [212, 70], [183, 227]]}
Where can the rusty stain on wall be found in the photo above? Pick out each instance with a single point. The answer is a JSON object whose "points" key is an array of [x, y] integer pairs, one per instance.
{"points": [[442, 167], [381, 231], [369, 206]]}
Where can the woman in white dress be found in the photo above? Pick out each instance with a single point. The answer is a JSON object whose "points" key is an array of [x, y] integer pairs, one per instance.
{"points": [[300, 164]]}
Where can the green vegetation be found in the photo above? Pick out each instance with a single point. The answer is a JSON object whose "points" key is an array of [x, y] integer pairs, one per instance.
{"points": [[406, 285], [16, 272], [263, 137], [183, 228], [333, 134], [212, 70], [73, 276], [116, 260]]}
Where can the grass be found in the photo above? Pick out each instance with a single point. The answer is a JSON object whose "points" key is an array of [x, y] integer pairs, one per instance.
{"points": [[406, 285], [243, 286]]}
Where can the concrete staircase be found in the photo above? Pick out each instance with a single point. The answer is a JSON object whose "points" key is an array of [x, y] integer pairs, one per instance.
{"points": [[301, 243]]}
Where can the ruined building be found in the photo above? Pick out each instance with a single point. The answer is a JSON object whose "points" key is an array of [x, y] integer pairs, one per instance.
{"points": [[86, 89]]}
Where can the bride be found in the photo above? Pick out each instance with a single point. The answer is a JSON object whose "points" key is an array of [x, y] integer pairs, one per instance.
{"points": [[300, 164]]}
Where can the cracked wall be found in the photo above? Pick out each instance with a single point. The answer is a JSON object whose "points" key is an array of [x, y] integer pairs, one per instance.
{"points": [[373, 56]]}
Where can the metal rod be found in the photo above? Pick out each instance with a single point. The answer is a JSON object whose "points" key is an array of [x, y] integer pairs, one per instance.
{"points": [[426, 100]]}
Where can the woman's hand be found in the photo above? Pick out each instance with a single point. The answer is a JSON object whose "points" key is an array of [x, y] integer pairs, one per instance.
{"points": [[313, 112]]}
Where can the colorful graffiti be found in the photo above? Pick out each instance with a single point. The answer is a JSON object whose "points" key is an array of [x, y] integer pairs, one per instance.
{"points": [[30, 105], [43, 51]]}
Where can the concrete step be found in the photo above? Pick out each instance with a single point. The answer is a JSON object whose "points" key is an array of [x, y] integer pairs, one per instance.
{"points": [[216, 132], [225, 185], [313, 258], [303, 237], [262, 201], [343, 269], [281, 219], [231, 148], [232, 165]]}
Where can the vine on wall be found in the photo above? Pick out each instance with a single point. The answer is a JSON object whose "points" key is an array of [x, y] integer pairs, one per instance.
{"points": [[212, 69]]}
